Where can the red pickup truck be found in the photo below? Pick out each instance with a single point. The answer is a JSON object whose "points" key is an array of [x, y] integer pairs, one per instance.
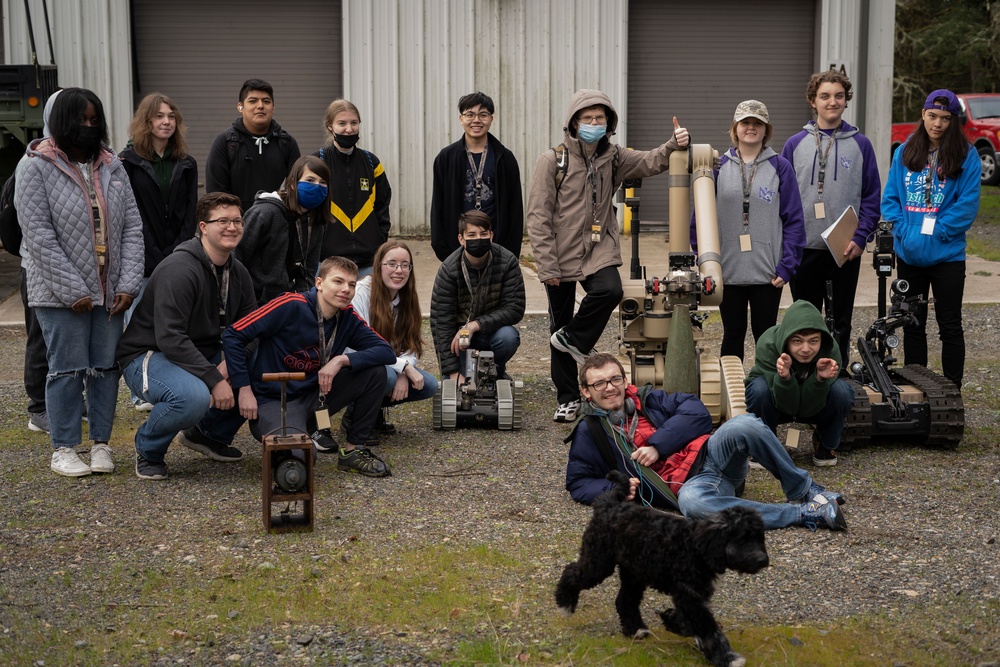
{"points": [[980, 119]]}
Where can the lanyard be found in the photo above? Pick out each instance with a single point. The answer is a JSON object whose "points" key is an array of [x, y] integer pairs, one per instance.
{"points": [[478, 173], [222, 280], [302, 224], [823, 155], [325, 347], [479, 289], [747, 184], [932, 160]]}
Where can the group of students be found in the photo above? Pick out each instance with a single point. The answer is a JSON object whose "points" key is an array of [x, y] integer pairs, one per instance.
{"points": [[772, 210]]}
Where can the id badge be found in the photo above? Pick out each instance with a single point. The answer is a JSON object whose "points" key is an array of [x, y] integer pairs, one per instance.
{"points": [[322, 418], [927, 227], [595, 233], [744, 243], [820, 210], [464, 338]]}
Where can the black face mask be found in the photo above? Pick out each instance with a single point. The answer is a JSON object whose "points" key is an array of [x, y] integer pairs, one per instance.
{"points": [[87, 138], [346, 140], [477, 247]]}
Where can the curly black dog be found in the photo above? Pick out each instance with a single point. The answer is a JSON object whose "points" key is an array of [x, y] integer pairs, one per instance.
{"points": [[668, 553]]}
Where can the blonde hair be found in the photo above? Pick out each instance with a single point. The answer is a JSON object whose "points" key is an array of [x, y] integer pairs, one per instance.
{"points": [[335, 107]]}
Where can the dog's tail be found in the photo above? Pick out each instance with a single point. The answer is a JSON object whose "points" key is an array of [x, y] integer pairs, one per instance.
{"points": [[621, 488]]}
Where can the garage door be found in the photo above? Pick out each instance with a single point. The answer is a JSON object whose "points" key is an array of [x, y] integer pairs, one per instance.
{"points": [[697, 61], [200, 53]]}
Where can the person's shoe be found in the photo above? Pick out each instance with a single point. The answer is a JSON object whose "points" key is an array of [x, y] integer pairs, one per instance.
{"points": [[567, 412], [148, 470], [65, 461], [560, 341], [199, 442], [144, 406], [38, 422], [362, 460], [827, 514], [823, 458], [381, 425], [324, 441], [816, 492], [100, 458]]}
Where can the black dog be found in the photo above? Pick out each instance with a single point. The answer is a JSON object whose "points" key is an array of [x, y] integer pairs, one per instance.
{"points": [[668, 553]]}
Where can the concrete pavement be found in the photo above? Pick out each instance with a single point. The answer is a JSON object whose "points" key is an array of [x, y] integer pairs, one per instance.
{"points": [[982, 283]]}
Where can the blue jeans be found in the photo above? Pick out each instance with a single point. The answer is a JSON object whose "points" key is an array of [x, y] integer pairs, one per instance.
{"points": [[81, 351], [829, 421], [503, 343], [180, 401], [714, 488], [430, 387]]}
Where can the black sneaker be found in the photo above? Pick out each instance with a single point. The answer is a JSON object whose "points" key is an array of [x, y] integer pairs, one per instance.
{"points": [[362, 460], [824, 458], [199, 442], [148, 470], [324, 441], [382, 426]]}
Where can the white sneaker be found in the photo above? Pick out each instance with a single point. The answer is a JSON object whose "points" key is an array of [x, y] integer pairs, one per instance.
{"points": [[100, 458], [65, 461], [567, 412]]}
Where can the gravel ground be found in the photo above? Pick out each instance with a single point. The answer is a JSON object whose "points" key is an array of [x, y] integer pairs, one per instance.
{"points": [[922, 541]]}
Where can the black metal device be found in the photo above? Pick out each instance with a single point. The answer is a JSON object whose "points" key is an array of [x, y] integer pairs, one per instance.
{"points": [[286, 478]]}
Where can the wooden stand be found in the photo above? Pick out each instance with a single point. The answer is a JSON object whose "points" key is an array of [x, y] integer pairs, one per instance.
{"points": [[276, 449]]}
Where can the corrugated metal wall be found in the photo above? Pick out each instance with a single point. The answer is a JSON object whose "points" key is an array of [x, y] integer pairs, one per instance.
{"points": [[407, 63], [92, 46]]}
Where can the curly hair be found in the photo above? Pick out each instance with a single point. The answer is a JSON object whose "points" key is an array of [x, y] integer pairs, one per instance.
{"points": [[402, 331], [829, 76]]}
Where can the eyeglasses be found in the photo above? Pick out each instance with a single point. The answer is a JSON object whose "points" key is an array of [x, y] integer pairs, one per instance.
{"points": [[225, 223], [601, 385], [482, 115], [589, 120], [392, 265]]}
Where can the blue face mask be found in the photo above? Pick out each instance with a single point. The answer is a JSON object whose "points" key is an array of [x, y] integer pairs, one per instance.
{"points": [[311, 195], [591, 133]]}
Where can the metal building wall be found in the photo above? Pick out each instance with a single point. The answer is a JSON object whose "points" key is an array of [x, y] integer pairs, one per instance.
{"points": [[92, 48], [406, 63]]}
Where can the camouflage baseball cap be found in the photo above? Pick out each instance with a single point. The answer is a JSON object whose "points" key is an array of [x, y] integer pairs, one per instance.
{"points": [[751, 109]]}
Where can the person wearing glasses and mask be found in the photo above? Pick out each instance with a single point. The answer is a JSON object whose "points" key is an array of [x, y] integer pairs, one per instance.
{"points": [[477, 300], [662, 442], [171, 351], [387, 300], [359, 190], [476, 173], [574, 230]]}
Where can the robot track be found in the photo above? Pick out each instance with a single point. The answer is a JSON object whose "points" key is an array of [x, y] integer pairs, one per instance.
{"points": [[945, 401]]}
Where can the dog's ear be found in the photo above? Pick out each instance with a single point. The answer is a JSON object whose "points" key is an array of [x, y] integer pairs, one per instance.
{"points": [[712, 536]]}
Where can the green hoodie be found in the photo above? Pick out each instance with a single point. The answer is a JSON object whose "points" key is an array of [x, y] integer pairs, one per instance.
{"points": [[803, 397]]}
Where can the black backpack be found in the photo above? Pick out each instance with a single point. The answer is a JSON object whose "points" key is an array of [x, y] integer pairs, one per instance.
{"points": [[10, 229]]}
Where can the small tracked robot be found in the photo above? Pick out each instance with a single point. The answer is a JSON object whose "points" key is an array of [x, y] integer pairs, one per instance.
{"points": [[911, 401], [479, 398]]}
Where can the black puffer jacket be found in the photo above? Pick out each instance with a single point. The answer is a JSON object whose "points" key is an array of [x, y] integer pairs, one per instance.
{"points": [[165, 224], [499, 289]]}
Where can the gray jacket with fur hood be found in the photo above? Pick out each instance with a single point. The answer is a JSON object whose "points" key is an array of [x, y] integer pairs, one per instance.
{"points": [[559, 222], [55, 215]]}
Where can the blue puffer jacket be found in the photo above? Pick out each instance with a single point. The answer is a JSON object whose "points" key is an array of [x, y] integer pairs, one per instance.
{"points": [[54, 212]]}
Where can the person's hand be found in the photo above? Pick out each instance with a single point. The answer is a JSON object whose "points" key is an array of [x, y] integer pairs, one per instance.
{"points": [[778, 282], [82, 305], [853, 251], [222, 396], [416, 377], [784, 366], [401, 389], [120, 304], [681, 136], [647, 456], [633, 485], [329, 371], [248, 403], [553, 282], [827, 369]]}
